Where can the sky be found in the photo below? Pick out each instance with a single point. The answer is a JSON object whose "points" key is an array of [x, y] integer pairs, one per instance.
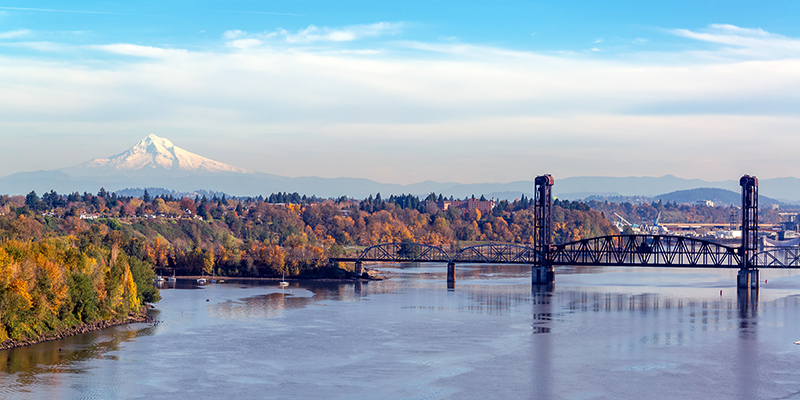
{"points": [[404, 92]]}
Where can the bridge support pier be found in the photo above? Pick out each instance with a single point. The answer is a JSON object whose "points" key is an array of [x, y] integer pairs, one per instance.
{"points": [[357, 270], [747, 279], [542, 275], [451, 272]]}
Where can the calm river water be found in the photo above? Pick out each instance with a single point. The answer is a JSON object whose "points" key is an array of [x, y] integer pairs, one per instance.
{"points": [[602, 333]]}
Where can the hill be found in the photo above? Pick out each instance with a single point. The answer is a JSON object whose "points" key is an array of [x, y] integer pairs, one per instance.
{"points": [[157, 162], [718, 196]]}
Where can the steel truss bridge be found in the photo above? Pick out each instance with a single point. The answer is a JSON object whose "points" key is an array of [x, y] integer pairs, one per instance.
{"points": [[614, 250]]}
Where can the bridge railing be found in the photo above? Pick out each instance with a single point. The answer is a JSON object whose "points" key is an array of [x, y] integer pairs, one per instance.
{"points": [[646, 250], [777, 258], [404, 252], [497, 254], [614, 250]]}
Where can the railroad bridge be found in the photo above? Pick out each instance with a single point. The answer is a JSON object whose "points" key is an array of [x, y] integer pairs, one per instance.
{"points": [[614, 250]]}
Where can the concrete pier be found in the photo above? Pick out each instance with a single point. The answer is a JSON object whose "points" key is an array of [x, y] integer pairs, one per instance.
{"points": [[747, 279], [357, 270], [451, 272], [542, 275]]}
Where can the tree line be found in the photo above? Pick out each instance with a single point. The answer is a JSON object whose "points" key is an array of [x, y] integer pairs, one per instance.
{"points": [[57, 282], [281, 233]]}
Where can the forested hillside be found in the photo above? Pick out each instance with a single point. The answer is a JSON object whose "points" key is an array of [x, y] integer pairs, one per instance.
{"points": [[281, 234], [78, 259], [59, 282]]}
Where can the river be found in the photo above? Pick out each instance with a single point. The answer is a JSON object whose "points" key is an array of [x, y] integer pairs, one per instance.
{"points": [[599, 333]]}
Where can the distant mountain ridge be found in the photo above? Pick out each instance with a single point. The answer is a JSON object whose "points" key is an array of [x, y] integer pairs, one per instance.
{"points": [[718, 196], [157, 162]]}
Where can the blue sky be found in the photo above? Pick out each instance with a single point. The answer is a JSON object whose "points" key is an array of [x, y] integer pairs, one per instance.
{"points": [[408, 91]]}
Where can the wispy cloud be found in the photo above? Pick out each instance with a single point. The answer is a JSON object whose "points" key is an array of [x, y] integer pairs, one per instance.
{"points": [[570, 111], [15, 34], [754, 42], [139, 51], [315, 34], [54, 10]]}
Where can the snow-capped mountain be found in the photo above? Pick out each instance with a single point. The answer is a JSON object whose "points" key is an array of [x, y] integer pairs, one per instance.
{"points": [[152, 154]]}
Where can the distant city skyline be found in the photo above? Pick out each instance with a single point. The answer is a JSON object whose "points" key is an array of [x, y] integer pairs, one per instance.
{"points": [[466, 92]]}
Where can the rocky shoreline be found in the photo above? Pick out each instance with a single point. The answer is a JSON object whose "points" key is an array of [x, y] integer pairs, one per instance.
{"points": [[77, 330]]}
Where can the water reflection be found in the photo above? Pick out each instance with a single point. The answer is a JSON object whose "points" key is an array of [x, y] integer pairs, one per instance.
{"points": [[262, 306], [542, 349], [747, 357], [541, 296], [496, 335], [30, 365]]}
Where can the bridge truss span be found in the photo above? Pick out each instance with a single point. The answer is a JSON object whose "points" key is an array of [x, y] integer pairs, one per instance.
{"points": [[645, 250], [404, 252], [497, 254], [788, 257]]}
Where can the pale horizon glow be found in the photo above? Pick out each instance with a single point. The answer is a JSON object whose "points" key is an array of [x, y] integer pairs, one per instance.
{"points": [[382, 100]]}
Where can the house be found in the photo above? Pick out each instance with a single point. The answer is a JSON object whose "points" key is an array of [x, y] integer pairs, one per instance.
{"points": [[484, 206]]}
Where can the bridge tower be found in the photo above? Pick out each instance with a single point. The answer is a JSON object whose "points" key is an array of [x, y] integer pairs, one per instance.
{"points": [[748, 274], [542, 271]]}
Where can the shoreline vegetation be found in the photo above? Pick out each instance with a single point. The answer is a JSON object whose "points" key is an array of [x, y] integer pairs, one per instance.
{"points": [[143, 317], [374, 276], [73, 263]]}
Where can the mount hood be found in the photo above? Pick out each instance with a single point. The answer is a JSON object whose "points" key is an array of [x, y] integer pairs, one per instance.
{"points": [[152, 155]]}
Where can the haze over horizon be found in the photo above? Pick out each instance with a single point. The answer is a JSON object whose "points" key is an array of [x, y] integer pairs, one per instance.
{"points": [[465, 92]]}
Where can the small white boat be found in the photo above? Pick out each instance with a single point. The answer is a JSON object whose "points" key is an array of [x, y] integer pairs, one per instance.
{"points": [[797, 342], [201, 281], [283, 282], [159, 278]]}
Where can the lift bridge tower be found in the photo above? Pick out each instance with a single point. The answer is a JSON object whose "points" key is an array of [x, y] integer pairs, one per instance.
{"points": [[748, 273], [542, 271]]}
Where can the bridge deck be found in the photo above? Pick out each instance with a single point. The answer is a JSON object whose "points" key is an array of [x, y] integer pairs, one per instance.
{"points": [[615, 250]]}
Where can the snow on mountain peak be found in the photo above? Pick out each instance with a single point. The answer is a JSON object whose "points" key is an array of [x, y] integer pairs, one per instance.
{"points": [[153, 153]]}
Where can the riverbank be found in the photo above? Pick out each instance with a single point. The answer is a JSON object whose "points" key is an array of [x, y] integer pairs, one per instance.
{"points": [[77, 330], [269, 279]]}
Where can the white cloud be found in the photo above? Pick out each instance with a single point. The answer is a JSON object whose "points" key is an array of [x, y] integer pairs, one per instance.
{"points": [[599, 40], [245, 43], [138, 51], [521, 111], [748, 42], [15, 34], [315, 34], [42, 46], [233, 34]]}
